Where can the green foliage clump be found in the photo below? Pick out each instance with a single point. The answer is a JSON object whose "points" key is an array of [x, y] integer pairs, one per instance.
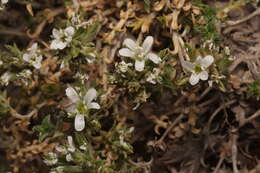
{"points": [[254, 89]]}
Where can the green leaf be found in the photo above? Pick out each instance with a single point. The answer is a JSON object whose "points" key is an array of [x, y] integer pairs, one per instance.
{"points": [[223, 64], [3, 103], [254, 89], [209, 29], [14, 50], [72, 169], [45, 129], [50, 89], [167, 76], [89, 35], [147, 6], [182, 81]]}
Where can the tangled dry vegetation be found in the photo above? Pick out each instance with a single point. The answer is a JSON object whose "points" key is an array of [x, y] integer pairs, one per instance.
{"points": [[128, 86]]}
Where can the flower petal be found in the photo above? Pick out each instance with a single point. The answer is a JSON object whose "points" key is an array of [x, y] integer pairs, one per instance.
{"points": [[69, 31], [58, 44], [206, 61], [34, 47], [4, 1], [72, 95], [147, 44], [204, 75], [27, 57], [94, 105], [126, 52], [130, 44], [72, 108], [69, 157], [139, 65], [188, 66], [194, 79], [71, 147], [153, 57], [37, 64], [90, 95], [79, 122]]}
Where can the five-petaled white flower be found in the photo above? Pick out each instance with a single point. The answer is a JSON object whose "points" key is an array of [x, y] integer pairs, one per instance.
{"points": [[33, 56], [139, 53], [76, 101], [198, 68], [62, 37]]}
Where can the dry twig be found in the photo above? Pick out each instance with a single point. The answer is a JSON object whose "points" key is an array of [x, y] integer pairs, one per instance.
{"points": [[249, 119], [234, 151], [177, 120], [255, 13], [217, 111]]}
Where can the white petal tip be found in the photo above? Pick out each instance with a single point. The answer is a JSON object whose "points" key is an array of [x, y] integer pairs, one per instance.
{"points": [[79, 123]]}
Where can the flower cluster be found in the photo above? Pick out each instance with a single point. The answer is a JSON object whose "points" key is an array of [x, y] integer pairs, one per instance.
{"points": [[139, 53], [153, 77], [198, 68], [33, 56], [62, 37], [51, 159], [5, 78], [122, 67], [25, 76], [81, 105]]}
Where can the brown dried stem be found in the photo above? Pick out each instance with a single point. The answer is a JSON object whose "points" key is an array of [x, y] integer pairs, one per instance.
{"points": [[177, 120], [217, 111], [234, 152], [255, 13], [40, 27], [252, 117]]}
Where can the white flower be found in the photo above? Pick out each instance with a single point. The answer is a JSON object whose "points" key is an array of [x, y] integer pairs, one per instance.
{"points": [[33, 56], [227, 50], [81, 76], [123, 66], [83, 147], [88, 98], [58, 169], [75, 18], [91, 57], [69, 157], [198, 68], [153, 77], [64, 64], [5, 78], [51, 159], [62, 37], [139, 53], [61, 149], [25, 76], [4, 1]]}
